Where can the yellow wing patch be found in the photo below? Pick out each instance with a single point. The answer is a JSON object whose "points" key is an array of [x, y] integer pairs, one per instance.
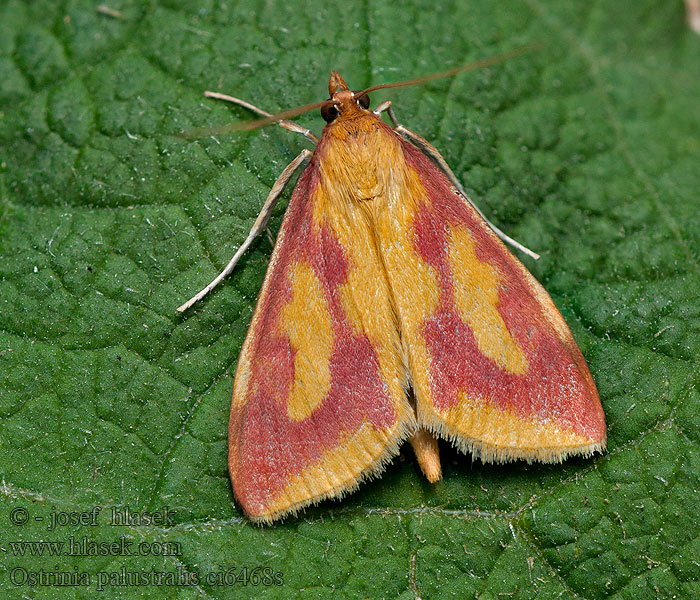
{"points": [[476, 287], [306, 321], [497, 434], [350, 211]]}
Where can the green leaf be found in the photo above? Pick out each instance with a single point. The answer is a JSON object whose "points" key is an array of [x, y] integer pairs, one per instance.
{"points": [[586, 151]]}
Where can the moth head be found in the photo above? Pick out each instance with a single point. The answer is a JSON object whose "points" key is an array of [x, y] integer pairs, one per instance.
{"points": [[342, 100]]}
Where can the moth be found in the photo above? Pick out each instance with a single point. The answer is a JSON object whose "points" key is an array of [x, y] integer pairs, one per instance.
{"points": [[391, 311]]}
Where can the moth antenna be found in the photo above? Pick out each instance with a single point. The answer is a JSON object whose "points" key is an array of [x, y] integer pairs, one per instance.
{"points": [[256, 124], [339, 83], [472, 66]]}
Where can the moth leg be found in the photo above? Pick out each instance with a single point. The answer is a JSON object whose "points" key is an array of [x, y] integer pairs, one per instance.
{"points": [[382, 107], [431, 152], [258, 226], [289, 125], [425, 446]]}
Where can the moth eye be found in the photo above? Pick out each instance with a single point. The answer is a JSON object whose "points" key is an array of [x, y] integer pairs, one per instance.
{"points": [[363, 101], [329, 112]]}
